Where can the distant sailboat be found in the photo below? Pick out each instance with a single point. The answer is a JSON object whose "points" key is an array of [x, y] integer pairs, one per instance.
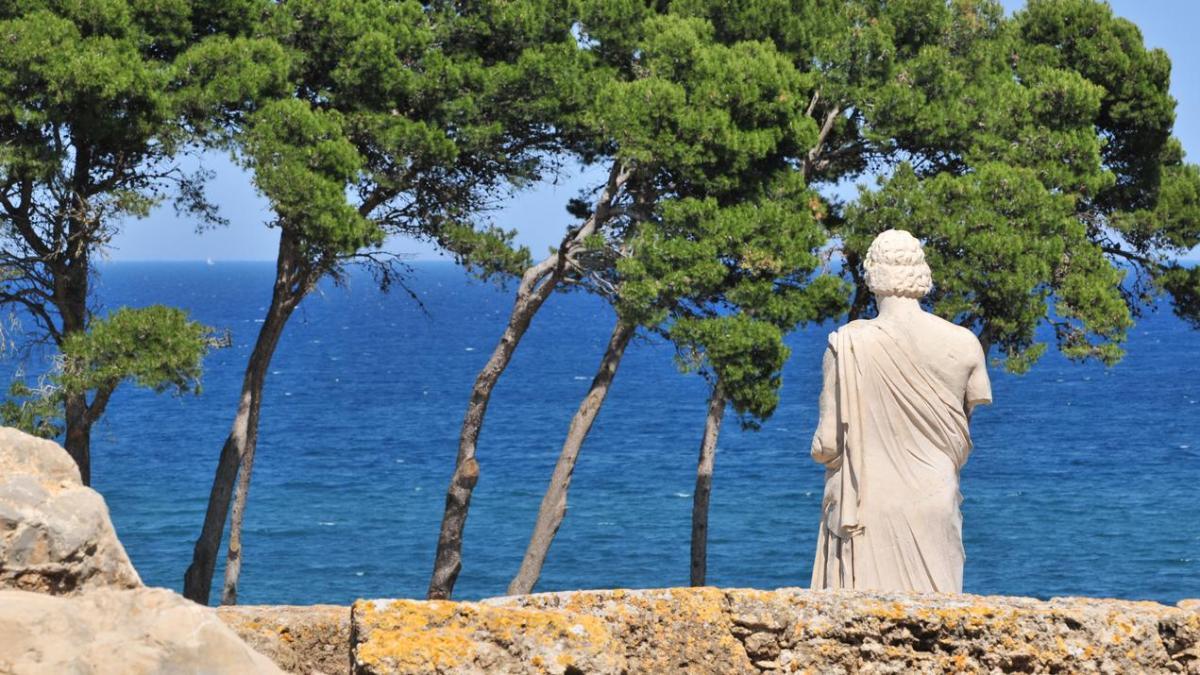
{"points": [[209, 262]]}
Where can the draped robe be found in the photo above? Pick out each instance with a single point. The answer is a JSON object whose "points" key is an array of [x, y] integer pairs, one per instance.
{"points": [[890, 512]]}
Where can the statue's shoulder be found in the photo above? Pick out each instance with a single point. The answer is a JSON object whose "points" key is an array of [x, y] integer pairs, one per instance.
{"points": [[949, 327], [966, 335], [855, 329], [962, 338]]}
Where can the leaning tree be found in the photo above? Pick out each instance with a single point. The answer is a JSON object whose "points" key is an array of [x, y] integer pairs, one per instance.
{"points": [[724, 283], [718, 221], [402, 118], [97, 101], [682, 111]]}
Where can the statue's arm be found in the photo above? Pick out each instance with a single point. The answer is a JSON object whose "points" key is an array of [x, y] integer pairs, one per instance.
{"points": [[825, 440], [979, 386]]}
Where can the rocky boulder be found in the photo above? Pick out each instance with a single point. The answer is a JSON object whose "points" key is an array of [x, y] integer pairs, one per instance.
{"points": [[119, 631], [56, 539], [55, 534]]}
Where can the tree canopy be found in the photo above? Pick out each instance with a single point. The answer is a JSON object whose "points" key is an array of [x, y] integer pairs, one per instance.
{"points": [[1033, 156], [398, 118], [97, 102]]}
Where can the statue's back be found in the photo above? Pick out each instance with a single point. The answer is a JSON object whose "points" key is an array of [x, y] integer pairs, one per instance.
{"points": [[947, 350], [893, 434]]}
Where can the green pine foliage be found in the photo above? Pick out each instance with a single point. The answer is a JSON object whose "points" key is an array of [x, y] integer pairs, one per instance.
{"points": [[156, 347], [1033, 156], [726, 284], [34, 410], [302, 162], [1031, 153], [719, 252], [447, 108], [98, 100]]}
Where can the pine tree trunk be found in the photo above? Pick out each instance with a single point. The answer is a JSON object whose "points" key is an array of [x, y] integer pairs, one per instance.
{"points": [[70, 299], [233, 554], [233, 558], [700, 497], [237, 455], [537, 284], [861, 300], [554, 502], [466, 470], [78, 441]]}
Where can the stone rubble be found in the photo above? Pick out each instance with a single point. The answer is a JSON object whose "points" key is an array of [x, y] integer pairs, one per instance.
{"points": [[311, 640]]}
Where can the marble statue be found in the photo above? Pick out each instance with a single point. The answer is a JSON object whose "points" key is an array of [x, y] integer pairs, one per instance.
{"points": [[898, 392]]}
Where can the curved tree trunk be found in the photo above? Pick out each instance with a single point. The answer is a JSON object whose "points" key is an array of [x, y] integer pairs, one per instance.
{"points": [[536, 287], [554, 502], [537, 283], [700, 496], [238, 451], [273, 329]]}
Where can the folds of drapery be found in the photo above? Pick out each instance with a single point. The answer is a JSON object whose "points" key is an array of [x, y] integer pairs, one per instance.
{"points": [[890, 511]]}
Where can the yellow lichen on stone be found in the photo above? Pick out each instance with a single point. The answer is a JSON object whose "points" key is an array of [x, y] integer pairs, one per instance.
{"points": [[415, 636], [413, 633], [892, 610], [705, 630]]}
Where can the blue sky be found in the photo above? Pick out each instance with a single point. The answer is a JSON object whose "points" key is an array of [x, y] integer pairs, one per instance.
{"points": [[538, 213]]}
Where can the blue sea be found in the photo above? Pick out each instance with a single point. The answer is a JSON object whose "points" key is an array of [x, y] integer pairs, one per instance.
{"points": [[1084, 480]]}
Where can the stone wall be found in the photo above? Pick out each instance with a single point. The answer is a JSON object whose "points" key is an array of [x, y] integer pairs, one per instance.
{"points": [[312, 640], [708, 630], [711, 630]]}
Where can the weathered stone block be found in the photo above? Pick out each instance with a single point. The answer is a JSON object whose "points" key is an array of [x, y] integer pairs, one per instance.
{"points": [[55, 534], [706, 630], [310, 640], [407, 636]]}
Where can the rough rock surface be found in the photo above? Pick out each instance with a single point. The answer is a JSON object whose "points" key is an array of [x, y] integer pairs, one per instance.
{"points": [[55, 534], [144, 630], [709, 630], [313, 640], [56, 540]]}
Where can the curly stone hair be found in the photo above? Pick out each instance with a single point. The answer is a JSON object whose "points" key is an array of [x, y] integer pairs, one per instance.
{"points": [[896, 265]]}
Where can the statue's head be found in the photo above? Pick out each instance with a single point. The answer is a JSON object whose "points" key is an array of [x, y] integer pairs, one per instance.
{"points": [[896, 266]]}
